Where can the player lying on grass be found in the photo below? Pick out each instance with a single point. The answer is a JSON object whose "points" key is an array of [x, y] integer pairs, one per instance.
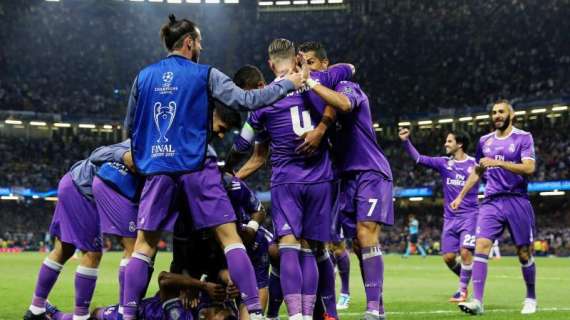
{"points": [[180, 297]]}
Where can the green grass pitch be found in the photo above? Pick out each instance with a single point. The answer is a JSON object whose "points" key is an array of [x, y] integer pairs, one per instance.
{"points": [[414, 288]]}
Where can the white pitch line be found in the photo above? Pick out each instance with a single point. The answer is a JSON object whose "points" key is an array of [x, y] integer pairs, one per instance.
{"points": [[451, 311]]}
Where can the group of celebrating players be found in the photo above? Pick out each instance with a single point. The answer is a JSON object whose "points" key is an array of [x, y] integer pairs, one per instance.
{"points": [[330, 181]]}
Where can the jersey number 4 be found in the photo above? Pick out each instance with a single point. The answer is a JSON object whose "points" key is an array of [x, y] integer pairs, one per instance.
{"points": [[296, 119]]}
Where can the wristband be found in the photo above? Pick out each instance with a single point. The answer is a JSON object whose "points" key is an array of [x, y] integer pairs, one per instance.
{"points": [[252, 224], [311, 83], [327, 121]]}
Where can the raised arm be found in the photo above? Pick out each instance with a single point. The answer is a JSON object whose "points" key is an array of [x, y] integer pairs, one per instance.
{"points": [[336, 100], [223, 89], [336, 74], [430, 162]]}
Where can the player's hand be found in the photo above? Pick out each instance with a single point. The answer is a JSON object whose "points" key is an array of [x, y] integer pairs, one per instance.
{"points": [[189, 298], [215, 291], [488, 163], [312, 141], [232, 291], [247, 235], [296, 78], [128, 161], [456, 203], [404, 134]]}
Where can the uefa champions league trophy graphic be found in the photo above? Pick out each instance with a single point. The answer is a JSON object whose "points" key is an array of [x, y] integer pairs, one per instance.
{"points": [[163, 118]]}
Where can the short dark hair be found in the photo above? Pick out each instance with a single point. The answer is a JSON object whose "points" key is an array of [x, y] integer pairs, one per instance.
{"points": [[503, 101], [248, 77], [230, 117], [281, 49], [461, 138], [316, 47], [175, 31]]}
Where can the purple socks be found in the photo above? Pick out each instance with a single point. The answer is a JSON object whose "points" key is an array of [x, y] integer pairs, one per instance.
{"points": [[465, 276], [373, 269], [343, 263], [49, 271], [310, 274], [291, 279], [136, 278], [243, 275], [122, 268], [85, 280], [479, 275], [529, 275], [327, 283], [275, 294]]}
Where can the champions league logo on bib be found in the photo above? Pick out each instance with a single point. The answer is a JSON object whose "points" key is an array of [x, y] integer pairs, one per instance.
{"points": [[163, 118], [167, 87]]}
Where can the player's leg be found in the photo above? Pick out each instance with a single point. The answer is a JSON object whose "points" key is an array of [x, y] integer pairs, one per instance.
{"points": [[241, 270], [326, 290], [47, 276], [310, 272], [490, 225], [118, 217], [210, 207], [420, 248], [318, 228], [128, 248], [521, 224], [374, 206], [287, 214], [155, 214], [274, 285], [291, 276], [343, 263], [528, 269], [85, 281], [450, 244], [466, 231], [75, 224], [137, 271], [450, 259], [368, 233]]}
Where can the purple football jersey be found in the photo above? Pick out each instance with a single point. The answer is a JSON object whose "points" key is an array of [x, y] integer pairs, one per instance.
{"points": [[453, 173], [285, 122], [243, 199], [514, 148], [355, 146]]}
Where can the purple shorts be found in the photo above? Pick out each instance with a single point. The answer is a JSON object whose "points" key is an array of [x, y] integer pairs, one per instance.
{"points": [[458, 232], [75, 220], [303, 210], [365, 196], [202, 193], [117, 213], [511, 211]]}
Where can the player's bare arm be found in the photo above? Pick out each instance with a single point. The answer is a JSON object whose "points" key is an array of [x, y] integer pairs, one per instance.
{"points": [[313, 138], [471, 182], [256, 161], [526, 168]]}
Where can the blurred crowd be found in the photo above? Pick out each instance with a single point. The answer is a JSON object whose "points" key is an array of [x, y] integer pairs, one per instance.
{"points": [[81, 57], [78, 59]]}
